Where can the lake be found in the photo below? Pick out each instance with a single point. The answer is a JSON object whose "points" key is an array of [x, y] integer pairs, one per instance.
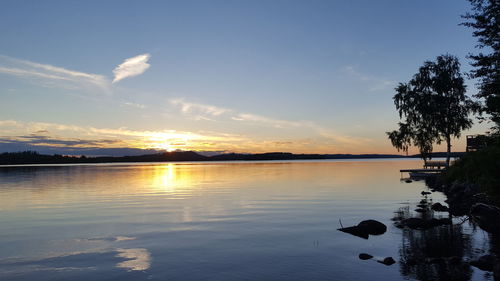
{"points": [[273, 220]]}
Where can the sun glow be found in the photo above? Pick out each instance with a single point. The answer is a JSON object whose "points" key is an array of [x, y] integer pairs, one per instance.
{"points": [[168, 141], [165, 146]]}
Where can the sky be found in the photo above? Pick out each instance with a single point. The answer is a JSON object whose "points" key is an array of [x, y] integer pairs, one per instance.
{"points": [[111, 77]]}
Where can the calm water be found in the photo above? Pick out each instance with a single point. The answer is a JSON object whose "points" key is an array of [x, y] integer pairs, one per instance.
{"points": [[217, 221]]}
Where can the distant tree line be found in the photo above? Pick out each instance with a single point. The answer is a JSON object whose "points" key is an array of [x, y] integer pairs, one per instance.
{"points": [[32, 157]]}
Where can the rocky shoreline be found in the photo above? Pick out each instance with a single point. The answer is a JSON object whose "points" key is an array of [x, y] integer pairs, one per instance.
{"points": [[467, 200], [435, 245]]}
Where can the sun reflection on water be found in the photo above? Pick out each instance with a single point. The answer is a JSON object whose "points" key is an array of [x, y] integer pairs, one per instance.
{"points": [[52, 187], [164, 177]]}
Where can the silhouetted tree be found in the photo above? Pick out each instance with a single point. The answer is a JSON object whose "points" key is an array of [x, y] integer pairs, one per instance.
{"points": [[485, 20], [433, 106]]}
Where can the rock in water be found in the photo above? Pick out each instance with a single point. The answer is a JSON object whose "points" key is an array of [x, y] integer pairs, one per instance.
{"points": [[373, 227], [425, 193], [438, 207], [366, 228], [455, 260], [364, 256], [486, 262], [387, 261], [356, 231], [486, 216], [496, 271]]}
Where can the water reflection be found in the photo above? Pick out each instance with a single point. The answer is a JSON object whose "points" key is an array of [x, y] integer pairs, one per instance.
{"points": [[437, 253], [167, 178], [64, 264], [209, 221], [137, 259], [50, 186]]}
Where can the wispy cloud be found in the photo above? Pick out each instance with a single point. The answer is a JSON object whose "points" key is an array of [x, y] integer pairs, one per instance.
{"points": [[337, 138], [24, 72], [199, 111], [135, 105], [207, 112], [54, 76], [71, 139], [62, 135], [131, 67], [375, 83], [277, 123], [65, 78], [287, 127]]}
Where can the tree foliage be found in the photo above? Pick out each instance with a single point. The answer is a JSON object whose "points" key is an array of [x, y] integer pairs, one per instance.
{"points": [[433, 107], [485, 20]]}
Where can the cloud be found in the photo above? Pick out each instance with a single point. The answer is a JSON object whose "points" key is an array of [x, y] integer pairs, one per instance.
{"points": [[268, 134], [339, 139], [51, 76], [277, 123], [24, 72], [133, 104], [286, 127], [131, 67], [52, 138], [200, 111], [68, 139], [43, 140], [375, 83], [207, 112]]}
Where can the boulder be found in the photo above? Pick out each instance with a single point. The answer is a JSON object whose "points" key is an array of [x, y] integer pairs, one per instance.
{"points": [[356, 231], [387, 261], [496, 271], [486, 262], [366, 228], [373, 227], [438, 207], [364, 256], [486, 216], [482, 198], [455, 260]]}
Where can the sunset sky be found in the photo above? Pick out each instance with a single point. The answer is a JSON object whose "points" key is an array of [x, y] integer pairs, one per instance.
{"points": [[242, 76]]}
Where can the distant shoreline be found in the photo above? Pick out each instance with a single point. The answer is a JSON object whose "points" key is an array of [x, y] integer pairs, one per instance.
{"points": [[31, 157]]}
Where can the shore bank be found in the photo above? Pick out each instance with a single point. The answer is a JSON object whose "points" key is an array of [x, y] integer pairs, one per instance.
{"points": [[468, 200]]}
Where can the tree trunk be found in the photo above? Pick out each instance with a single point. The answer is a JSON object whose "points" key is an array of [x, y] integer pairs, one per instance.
{"points": [[448, 150]]}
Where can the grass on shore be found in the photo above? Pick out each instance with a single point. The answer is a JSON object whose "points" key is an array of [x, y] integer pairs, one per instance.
{"points": [[481, 168]]}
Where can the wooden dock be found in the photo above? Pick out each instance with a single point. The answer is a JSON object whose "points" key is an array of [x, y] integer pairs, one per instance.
{"points": [[435, 171], [431, 168]]}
